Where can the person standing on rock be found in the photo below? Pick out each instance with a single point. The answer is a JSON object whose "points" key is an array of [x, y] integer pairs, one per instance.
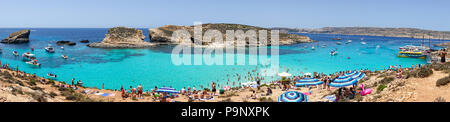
{"points": [[443, 53]]}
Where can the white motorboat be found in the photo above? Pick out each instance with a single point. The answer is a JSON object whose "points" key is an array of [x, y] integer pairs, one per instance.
{"points": [[50, 49]]}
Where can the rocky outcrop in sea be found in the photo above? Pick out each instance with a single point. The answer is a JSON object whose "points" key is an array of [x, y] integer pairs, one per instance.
{"points": [[123, 37], [21, 36], [163, 34]]}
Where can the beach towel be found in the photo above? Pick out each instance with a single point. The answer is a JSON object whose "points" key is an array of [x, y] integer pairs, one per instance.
{"points": [[105, 94], [98, 93], [331, 98]]}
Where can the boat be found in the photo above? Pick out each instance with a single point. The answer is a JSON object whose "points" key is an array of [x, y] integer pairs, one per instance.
{"points": [[15, 53], [33, 62], [348, 41], [313, 48], [28, 56], [333, 53], [50, 49], [410, 51], [51, 75], [338, 43], [62, 47], [64, 56], [363, 43]]}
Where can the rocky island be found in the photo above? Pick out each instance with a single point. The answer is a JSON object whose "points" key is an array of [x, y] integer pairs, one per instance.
{"points": [[123, 37], [163, 35], [21, 36]]}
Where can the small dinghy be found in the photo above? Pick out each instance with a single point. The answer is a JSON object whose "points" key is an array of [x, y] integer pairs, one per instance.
{"points": [[15, 53], [64, 56], [363, 43], [333, 53], [51, 75]]}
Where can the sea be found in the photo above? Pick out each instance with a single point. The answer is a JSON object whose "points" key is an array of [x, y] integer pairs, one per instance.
{"points": [[154, 66]]}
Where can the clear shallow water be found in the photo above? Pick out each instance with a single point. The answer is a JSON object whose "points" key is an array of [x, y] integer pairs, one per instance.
{"points": [[150, 67]]}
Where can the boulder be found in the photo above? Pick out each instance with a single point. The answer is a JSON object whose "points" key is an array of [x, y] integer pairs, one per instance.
{"points": [[123, 37], [63, 42], [84, 41], [21, 36]]}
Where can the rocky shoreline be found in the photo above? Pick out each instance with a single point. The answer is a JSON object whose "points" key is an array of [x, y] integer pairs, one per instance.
{"points": [[375, 31]]}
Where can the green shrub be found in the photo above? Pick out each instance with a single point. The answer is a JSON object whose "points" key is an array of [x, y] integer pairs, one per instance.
{"points": [[387, 80], [439, 99], [53, 94], [424, 72], [381, 88], [443, 81], [265, 99]]}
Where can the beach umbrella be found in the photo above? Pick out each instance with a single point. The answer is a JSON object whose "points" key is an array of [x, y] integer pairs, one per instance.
{"points": [[308, 80], [292, 96], [284, 74], [167, 91]]}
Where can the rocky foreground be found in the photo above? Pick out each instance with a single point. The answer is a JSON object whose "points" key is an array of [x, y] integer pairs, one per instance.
{"points": [[123, 37], [163, 35], [21, 36]]}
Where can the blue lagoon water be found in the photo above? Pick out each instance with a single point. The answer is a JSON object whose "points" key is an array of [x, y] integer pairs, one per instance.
{"points": [[153, 67]]}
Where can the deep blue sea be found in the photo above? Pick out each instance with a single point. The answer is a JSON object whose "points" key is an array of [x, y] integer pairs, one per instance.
{"points": [[153, 67]]}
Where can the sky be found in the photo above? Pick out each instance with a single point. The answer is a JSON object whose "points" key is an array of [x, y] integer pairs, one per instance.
{"points": [[424, 14]]}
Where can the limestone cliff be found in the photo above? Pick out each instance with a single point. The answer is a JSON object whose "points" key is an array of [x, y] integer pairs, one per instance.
{"points": [[21, 36], [122, 37]]}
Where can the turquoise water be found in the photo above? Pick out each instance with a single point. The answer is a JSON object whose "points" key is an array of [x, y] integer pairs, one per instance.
{"points": [[153, 67]]}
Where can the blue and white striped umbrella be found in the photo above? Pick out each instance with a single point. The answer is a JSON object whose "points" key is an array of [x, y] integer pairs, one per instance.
{"points": [[167, 90], [292, 96], [351, 80], [308, 80]]}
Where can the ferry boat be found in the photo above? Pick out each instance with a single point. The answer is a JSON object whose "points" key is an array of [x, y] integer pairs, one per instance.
{"points": [[410, 51]]}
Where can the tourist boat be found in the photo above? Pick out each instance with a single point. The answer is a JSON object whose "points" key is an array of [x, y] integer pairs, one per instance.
{"points": [[410, 51], [348, 41], [51, 75], [333, 53], [15, 53], [33, 62], [50, 49], [28, 56], [338, 43], [64, 56]]}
